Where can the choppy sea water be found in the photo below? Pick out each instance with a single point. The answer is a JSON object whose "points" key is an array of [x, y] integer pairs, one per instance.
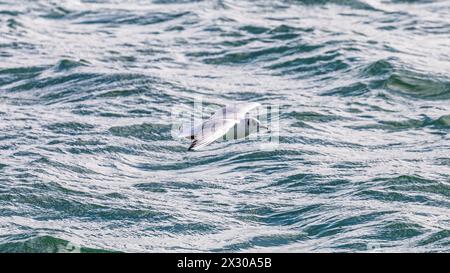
{"points": [[87, 158]]}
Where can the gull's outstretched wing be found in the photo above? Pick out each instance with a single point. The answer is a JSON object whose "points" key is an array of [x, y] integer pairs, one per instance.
{"points": [[235, 111], [212, 129]]}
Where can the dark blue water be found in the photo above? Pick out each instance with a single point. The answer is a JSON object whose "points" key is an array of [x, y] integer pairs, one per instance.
{"points": [[88, 162]]}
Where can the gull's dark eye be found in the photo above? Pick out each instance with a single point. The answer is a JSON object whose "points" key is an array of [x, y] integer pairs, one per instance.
{"points": [[248, 122]]}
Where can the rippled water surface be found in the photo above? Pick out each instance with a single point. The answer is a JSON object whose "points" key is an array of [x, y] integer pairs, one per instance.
{"points": [[86, 151]]}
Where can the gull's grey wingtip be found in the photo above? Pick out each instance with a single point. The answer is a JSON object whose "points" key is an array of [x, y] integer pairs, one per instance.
{"points": [[191, 148]]}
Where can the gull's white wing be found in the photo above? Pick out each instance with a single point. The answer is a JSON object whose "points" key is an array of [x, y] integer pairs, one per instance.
{"points": [[235, 111], [212, 130]]}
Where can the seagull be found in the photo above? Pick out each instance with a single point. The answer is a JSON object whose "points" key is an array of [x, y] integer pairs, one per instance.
{"points": [[230, 122]]}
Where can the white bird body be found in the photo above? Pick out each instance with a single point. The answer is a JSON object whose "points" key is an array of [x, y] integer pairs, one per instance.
{"points": [[231, 122], [243, 128]]}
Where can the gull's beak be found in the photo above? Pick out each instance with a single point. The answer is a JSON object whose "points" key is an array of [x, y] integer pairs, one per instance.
{"points": [[264, 127]]}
